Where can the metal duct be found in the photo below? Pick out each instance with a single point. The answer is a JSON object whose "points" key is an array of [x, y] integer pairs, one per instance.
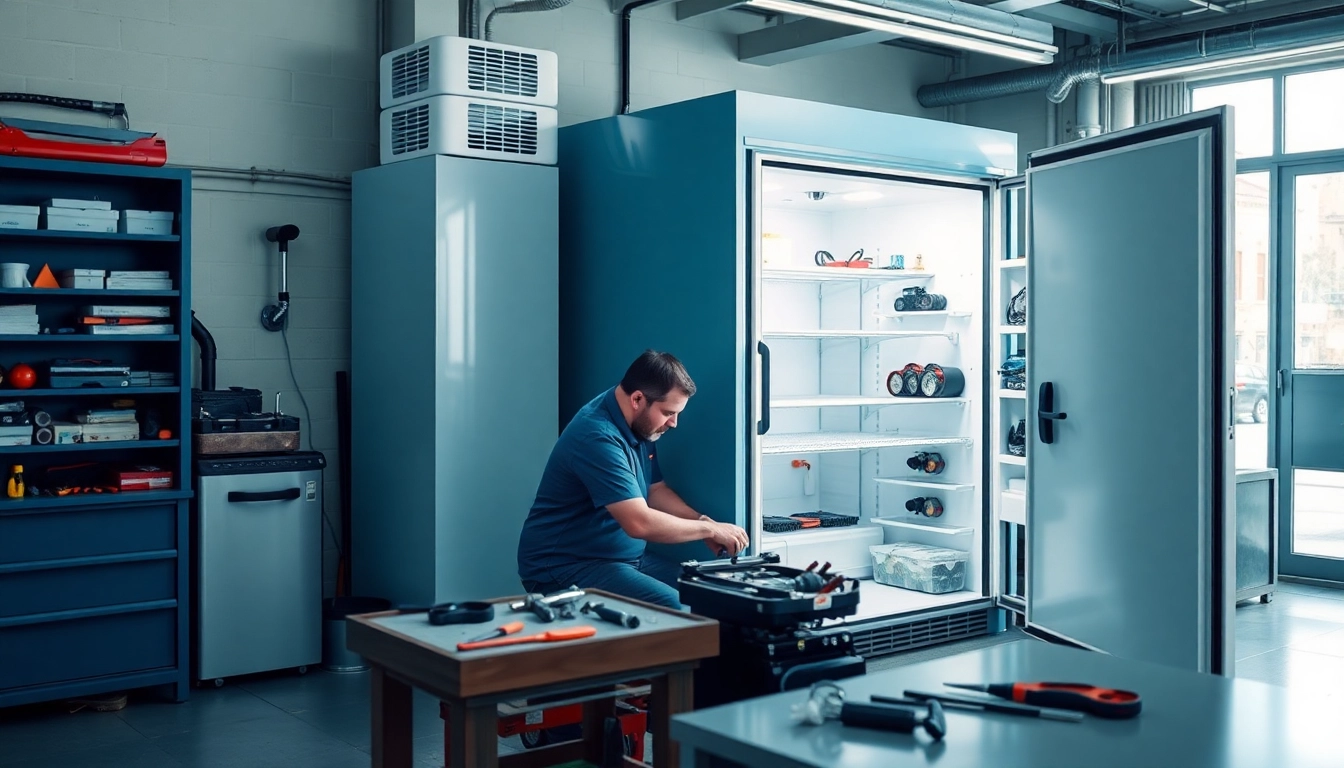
{"points": [[527, 6], [1059, 79]]}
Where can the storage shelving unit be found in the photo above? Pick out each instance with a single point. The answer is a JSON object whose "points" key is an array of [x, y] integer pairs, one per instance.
{"points": [[94, 587], [1010, 507]]}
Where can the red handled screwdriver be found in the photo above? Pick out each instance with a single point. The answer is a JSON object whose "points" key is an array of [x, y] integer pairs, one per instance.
{"points": [[507, 629], [1080, 697]]}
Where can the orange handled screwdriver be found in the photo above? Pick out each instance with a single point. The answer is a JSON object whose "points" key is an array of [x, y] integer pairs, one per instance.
{"points": [[552, 636], [1080, 697], [507, 629]]}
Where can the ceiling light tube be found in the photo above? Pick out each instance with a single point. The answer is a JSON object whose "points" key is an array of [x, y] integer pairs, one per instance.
{"points": [[902, 30], [1204, 65], [928, 21]]}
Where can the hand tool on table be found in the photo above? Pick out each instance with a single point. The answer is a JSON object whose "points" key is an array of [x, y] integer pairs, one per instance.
{"points": [[549, 636], [967, 703], [611, 614], [473, 612], [545, 606], [826, 701], [1081, 697], [501, 631]]}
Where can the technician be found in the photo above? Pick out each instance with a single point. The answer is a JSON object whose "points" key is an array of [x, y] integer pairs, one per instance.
{"points": [[602, 495]]}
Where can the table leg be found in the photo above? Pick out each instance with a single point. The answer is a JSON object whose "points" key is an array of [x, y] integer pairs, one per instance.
{"points": [[670, 694], [473, 742], [595, 714], [390, 720]]}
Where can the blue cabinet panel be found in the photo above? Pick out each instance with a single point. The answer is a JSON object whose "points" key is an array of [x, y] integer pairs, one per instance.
{"points": [[52, 652], [57, 534], [87, 586]]}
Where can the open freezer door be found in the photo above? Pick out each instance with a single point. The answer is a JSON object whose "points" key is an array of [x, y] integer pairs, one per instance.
{"points": [[1130, 462]]}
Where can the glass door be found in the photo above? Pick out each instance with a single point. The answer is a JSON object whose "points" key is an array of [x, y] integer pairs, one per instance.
{"points": [[1311, 385]]}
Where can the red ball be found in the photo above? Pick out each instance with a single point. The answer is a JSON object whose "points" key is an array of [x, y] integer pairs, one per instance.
{"points": [[22, 376]]}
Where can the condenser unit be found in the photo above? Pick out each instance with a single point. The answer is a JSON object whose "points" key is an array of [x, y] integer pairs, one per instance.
{"points": [[459, 66], [469, 127]]}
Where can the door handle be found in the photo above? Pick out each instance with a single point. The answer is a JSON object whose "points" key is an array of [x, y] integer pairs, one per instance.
{"points": [[763, 425], [1046, 414], [288, 494]]}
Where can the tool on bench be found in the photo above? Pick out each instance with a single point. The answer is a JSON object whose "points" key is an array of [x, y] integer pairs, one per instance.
{"points": [[507, 629], [545, 606], [1080, 697], [968, 703], [549, 636], [461, 613], [826, 701], [611, 614]]}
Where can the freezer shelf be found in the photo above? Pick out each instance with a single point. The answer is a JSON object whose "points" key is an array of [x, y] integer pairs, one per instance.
{"points": [[879, 335], [945, 487], [941, 530], [837, 401], [883, 601], [826, 274], [1013, 394], [826, 442]]}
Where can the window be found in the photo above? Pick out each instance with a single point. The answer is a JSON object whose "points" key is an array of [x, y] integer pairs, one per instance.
{"points": [[1253, 102], [1236, 270], [1313, 111]]}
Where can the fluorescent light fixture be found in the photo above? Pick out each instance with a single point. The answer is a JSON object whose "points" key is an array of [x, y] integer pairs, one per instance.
{"points": [[858, 197], [929, 21], [862, 15], [1204, 65], [772, 187]]}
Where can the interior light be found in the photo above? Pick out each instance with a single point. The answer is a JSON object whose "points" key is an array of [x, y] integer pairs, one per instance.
{"points": [[856, 197], [768, 187], [1204, 65], [859, 18]]}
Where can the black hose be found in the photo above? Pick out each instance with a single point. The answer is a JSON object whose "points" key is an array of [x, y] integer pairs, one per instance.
{"points": [[208, 353], [109, 108], [625, 52]]}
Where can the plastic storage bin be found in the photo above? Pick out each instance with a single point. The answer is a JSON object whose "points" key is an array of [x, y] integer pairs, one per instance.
{"points": [[919, 567], [80, 220], [19, 216], [147, 222]]}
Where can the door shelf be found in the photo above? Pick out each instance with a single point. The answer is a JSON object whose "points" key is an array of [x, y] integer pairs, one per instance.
{"points": [[902, 316], [866, 335], [945, 530], [1013, 394], [1013, 330], [829, 442], [841, 401], [1020, 461], [1013, 507], [1013, 263], [112, 445], [944, 487], [828, 274]]}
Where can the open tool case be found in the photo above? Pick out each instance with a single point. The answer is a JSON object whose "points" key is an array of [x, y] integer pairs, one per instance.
{"points": [[759, 592]]}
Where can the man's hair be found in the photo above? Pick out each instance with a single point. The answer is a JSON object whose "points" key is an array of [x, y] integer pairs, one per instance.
{"points": [[656, 374]]}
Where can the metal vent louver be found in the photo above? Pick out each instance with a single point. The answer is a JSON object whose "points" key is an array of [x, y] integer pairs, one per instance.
{"points": [[494, 70], [883, 641], [410, 72], [502, 129], [410, 129]]}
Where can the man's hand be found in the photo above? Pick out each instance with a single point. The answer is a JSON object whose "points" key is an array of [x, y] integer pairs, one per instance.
{"points": [[726, 536]]}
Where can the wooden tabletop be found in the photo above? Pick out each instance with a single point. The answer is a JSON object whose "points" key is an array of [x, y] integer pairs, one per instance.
{"points": [[407, 645]]}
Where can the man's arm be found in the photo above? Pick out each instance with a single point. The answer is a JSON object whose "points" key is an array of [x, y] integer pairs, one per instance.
{"points": [[664, 499], [640, 521]]}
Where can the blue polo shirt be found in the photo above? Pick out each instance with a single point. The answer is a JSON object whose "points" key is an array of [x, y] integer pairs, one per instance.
{"points": [[597, 461]]}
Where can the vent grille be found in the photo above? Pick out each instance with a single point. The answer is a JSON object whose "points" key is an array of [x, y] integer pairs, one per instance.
{"points": [[883, 641], [502, 129], [410, 72], [493, 70], [410, 130]]}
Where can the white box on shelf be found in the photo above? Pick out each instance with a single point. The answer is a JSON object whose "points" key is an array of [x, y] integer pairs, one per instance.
{"points": [[147, 222], [82, 205], [921, 567], [19, 216], [67, 433], [76, 220], [81, 278]]}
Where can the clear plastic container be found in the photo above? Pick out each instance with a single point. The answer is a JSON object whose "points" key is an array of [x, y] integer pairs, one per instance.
{"points": [[920, 567]]}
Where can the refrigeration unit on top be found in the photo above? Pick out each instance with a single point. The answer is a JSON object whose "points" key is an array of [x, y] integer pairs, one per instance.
{"points": [[847, 290]]}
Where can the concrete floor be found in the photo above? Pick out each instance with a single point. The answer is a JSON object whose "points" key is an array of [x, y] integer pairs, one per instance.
{"points": [[321, 719]]}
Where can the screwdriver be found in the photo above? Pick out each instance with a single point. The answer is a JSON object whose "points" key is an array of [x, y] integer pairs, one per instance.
{"points": [[968, 703], [1102, 702], [553, 636], [507, 629]]}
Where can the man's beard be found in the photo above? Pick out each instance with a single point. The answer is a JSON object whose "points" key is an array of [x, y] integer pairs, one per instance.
{"points": [[644, 431]]}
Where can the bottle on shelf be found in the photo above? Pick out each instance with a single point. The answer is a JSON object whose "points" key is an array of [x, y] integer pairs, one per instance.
{"points": [[14, 488]]}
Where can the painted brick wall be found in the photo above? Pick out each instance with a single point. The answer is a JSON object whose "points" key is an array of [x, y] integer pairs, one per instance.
{"points": [[291, 84]]}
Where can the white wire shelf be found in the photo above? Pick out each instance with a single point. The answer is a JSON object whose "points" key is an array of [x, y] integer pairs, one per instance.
{"points": [[867, 335], [1013, 330], [903, 316], [1013, 263], [830, 442], [1013, 394], [841, 401], [944, 487], [947, 530], [1020, 461], [827, 274]]}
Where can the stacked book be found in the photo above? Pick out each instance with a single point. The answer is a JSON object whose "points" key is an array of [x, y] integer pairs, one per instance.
{"points": [[153, 379], [121, 320], [106, 425], [73, 373], [19, 320], [140, 280]]}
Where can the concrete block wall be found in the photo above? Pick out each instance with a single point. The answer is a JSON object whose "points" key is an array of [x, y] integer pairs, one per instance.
{"points": [[291, 84]]}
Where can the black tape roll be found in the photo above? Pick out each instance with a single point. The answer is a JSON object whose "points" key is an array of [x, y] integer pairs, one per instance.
{"points": [[461, 613], [41, 418], [44, 436]]}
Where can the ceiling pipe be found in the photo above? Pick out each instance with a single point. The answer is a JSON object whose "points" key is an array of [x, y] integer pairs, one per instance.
{"points": [[1058, 79]]}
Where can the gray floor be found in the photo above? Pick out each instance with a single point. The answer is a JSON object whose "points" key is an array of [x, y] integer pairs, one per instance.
{"points": [[321, 719]]}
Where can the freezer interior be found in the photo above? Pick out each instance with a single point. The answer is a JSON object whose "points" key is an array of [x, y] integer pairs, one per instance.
{"points": [[839, 442]]}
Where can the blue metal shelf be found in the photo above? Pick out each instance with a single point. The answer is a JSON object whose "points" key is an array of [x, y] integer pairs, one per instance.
{"points": [[83, 337], [93, 294], [117, 445], [61, 236], [89, 500], [24, 394]]}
